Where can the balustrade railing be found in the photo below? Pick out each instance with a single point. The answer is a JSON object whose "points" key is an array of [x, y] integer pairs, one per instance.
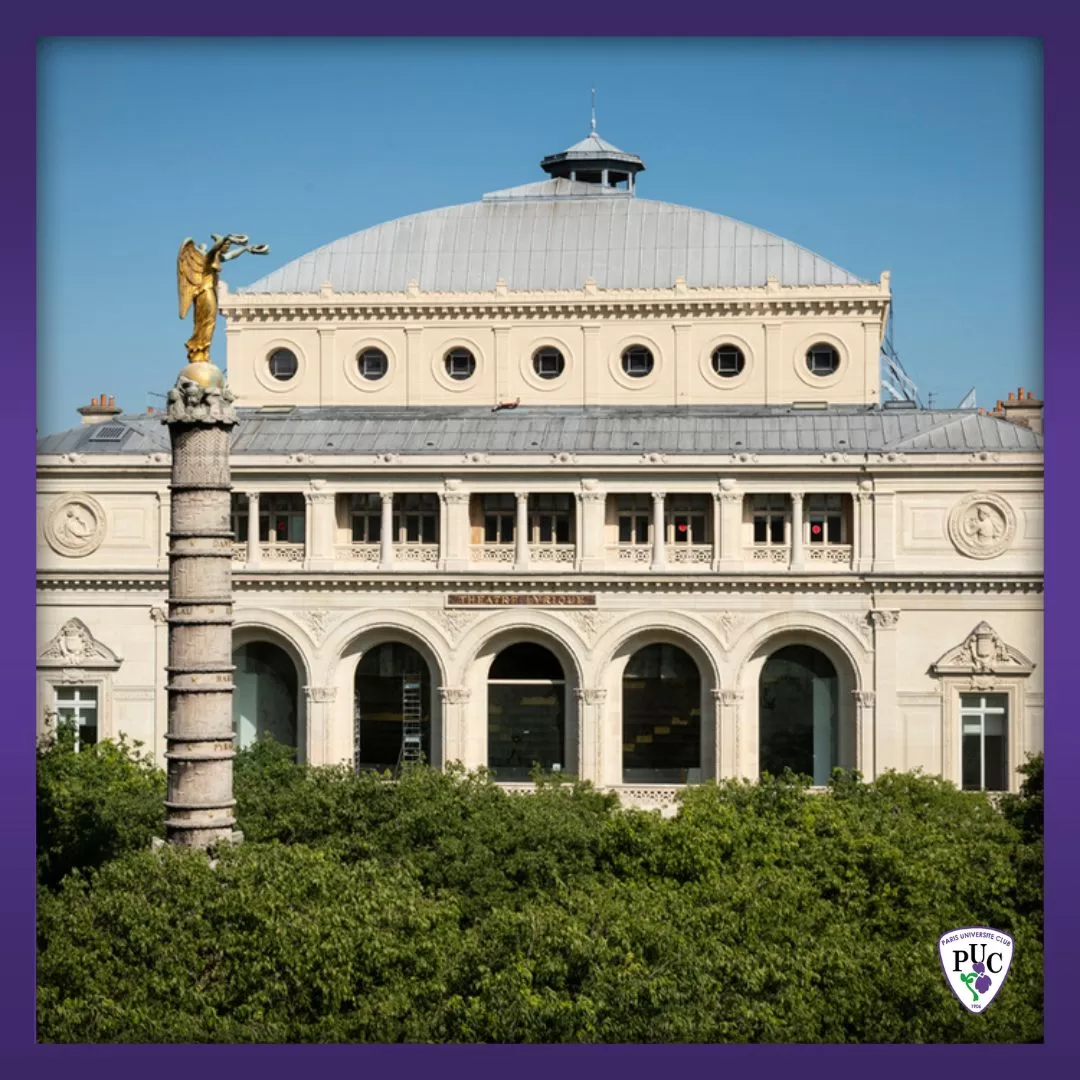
{"points": [[834, 555], [632, 554], [562, 554], [361, 553], [765, 554], [690, 554], [493, 553], [417, 553]]}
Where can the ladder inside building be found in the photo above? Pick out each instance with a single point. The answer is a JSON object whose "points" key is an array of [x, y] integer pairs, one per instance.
{"points": [[411, 748]]}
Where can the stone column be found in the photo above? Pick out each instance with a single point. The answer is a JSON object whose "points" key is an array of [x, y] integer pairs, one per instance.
{"points": [[455, 700], [864, 732], [320, 713], [684, 375], [592, 555], [886, 752], [254, 552], [796, 530], [590, 701], [320, 508], [884, 503], [455, 540], [728, 743], [591, 363], [730, 524], [659, 533], [716, 529], [864, 536], [199, 804], [521, 533], [386, 531]]}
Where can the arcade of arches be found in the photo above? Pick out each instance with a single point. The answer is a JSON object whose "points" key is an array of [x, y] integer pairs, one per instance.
{"points": [[659, 705]]}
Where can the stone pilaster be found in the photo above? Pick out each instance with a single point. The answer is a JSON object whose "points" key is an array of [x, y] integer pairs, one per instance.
{"points": [[320, 508], [864, 525], [864, 732], [590, 704], [886, 748], [455, 700], [199, 804], [521, 532], [455, 540], [730, 524], [592, 555], [254, 552], [386, 532], [659, 540], [684, 375], [729, 742], [320, 716], [797, 558]]}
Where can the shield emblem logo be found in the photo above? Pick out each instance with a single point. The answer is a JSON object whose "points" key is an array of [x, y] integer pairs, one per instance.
{"points": [[975, 961]]}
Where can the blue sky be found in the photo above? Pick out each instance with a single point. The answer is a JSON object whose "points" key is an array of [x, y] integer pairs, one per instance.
{"points": [[918, 156]]}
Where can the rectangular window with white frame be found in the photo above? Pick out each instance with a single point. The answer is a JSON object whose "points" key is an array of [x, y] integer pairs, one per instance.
{"points": [[825, 519], [769, 516], [416, 519], [984, 751], [78, 706], [365, 517], [635, 520]]}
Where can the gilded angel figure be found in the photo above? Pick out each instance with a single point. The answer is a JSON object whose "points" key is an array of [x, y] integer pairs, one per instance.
{"points": [[197, 273]]}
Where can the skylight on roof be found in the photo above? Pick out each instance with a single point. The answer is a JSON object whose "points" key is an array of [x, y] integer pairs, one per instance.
{"points": [[109, 433]]}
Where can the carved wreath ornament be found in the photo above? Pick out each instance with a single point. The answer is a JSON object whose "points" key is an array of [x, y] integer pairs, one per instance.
{"points": [[982, 526], [75, 526]]}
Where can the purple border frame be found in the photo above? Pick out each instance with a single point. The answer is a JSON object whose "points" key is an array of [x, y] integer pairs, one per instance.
{"points": [[1052, 22]]}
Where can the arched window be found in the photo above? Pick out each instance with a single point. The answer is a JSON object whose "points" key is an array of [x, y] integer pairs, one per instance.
{"points": [[392, 708], [526, 712], [799, 713], [661, 705], [264, 701]]}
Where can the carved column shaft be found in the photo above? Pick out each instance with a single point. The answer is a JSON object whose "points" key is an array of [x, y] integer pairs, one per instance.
{"points": [[592, 530], [455, 544], [386, 531], [887, 751], [521, 533], [730, 523], [253, 529], [590, 702], [659, 545], [199, 804], [320, 504], [796, 530]]}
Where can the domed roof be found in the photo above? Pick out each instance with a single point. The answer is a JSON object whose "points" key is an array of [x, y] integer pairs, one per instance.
{"points": [[554, 235]]}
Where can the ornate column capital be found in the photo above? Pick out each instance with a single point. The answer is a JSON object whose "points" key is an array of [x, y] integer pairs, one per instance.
{"points": [[454, 695], [885, 619], [591, 695], [728, 697]]}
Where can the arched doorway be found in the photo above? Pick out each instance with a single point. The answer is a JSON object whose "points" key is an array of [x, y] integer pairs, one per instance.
{"points": [[265, 699], [392, 695], [799, 714], [661, 708], [526, 712]]}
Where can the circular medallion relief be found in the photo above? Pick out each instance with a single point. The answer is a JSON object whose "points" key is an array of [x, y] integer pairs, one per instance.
{"points": [[75, 526], [982, 526]]}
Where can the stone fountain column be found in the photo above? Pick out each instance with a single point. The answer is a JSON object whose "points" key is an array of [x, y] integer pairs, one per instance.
{"points": [[199, 740]]}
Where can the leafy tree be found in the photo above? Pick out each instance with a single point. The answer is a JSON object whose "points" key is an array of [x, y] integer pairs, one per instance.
{"points": [[95, 804]]}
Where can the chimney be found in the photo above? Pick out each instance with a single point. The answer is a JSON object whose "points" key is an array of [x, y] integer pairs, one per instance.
{"points": [[1021, 408], [99, 410]]}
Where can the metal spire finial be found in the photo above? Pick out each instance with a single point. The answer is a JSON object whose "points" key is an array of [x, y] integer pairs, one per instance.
{"points": [[593, 131]]}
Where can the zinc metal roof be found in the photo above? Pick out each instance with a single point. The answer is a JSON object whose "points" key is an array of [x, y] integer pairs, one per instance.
{"points": [[598, 430], [552, 236]]}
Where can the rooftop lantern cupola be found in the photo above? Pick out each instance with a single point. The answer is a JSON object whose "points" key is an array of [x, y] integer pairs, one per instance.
{"points": [[595, 161]]}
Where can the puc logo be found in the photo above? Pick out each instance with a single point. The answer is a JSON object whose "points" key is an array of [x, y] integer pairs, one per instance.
{"points": [[975, 960]]}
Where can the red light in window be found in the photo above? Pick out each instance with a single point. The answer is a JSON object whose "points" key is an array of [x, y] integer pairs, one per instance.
{"points": [[682, 528], [815, 529]]}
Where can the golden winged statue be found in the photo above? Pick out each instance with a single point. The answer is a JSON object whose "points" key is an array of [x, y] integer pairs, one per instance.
{"points": [[197, 273]]}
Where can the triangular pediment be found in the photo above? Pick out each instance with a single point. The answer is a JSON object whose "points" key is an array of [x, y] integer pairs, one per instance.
{"points": [[983, 652], [75, 647]]}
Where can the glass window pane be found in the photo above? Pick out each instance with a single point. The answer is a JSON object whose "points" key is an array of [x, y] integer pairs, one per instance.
{"points": [[971, 762], [996, 763], [776, 530], [760, 530]]}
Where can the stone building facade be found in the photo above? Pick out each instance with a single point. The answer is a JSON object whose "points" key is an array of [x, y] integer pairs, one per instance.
{"points": [[573, 478]]}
